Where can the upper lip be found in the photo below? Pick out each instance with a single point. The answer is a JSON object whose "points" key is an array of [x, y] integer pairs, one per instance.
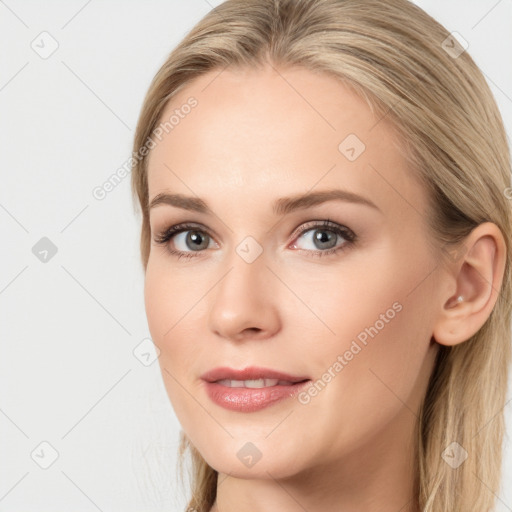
{"points": [[249, 373]]}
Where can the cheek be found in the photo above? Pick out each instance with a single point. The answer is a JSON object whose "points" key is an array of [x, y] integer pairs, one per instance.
{"points": [[166, 303], [380, 354], [382, 380], [174, 307], [168, 295], [348, 301]]}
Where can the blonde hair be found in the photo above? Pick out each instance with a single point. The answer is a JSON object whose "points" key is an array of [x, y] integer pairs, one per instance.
{"points": [[404, 64]]}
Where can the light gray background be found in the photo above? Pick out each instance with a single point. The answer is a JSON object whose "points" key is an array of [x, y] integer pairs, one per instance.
{"points": [[69, 326]]}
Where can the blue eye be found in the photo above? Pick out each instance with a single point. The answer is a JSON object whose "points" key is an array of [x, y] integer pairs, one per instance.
{"points": [[194, 237], [324, 235], [326, 244]]}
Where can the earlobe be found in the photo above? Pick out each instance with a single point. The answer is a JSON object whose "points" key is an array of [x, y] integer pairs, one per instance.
{"points": [[477, 277]]}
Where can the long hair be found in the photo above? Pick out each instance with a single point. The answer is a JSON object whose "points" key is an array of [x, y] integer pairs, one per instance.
{"points": [[415, 74]]}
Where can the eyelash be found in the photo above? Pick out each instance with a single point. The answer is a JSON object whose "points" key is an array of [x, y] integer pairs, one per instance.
{"points": [[350, 237]]}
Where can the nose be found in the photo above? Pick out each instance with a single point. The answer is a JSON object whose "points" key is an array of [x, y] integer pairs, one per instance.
{"points": [[243, 304]]}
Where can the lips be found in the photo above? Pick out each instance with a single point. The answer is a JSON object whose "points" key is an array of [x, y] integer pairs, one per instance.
{"points": [[251, 389], [250, 373]]}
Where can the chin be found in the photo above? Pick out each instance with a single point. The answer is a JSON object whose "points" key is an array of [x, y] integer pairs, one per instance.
{"points": [[243, 459]]}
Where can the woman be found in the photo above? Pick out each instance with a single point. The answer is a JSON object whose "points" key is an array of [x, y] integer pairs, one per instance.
{"points": [[325, 237]]}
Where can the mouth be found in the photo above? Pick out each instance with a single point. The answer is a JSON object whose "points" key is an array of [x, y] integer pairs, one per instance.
{"points": [[256, 383], [251, 389]]}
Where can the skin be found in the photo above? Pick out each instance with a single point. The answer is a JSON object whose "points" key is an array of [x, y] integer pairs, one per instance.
{"points": [[260, 134]]}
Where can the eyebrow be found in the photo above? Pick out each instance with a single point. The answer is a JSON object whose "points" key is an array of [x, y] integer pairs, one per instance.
{"points": [[281, 206]]}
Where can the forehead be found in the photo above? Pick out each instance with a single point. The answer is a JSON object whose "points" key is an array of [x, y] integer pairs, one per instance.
{"points": [[259, 133]]}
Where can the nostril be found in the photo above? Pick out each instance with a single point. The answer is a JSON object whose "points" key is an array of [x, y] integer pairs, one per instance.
{"points": [[252, 330]]}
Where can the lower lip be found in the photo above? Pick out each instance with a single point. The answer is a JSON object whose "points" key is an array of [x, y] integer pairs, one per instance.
{"points": [[251, 399]]}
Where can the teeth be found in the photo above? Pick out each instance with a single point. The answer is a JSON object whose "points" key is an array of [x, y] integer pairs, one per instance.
{"points": [[256, 383]]}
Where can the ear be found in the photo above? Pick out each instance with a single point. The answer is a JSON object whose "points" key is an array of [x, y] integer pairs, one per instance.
{"points": [[476, 275]]}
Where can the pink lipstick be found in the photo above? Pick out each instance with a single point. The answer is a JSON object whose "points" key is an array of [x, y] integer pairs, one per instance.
{"points": [[252, 388]]}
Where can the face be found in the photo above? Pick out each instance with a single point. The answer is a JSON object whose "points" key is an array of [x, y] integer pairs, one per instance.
{"points": [[339, 291]]}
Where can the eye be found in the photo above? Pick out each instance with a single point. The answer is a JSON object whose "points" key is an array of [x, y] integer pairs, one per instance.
{"points": [[324, 236], [189, 240], [185, 237]]}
